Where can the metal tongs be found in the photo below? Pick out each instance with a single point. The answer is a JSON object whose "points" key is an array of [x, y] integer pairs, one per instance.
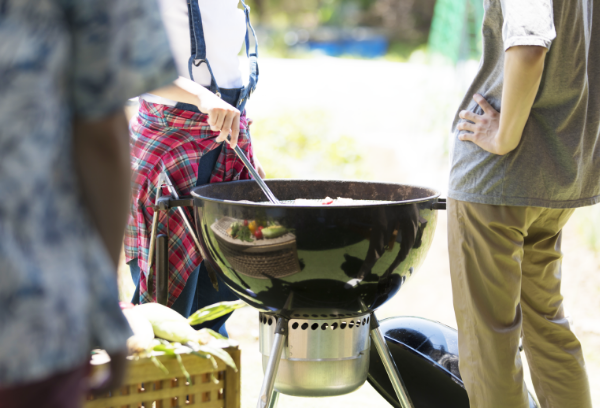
{"points": [[254, 173]]}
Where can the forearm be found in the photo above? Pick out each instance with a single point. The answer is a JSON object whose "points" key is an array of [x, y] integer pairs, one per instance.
{"points": [[175, 93], [184, 90], [101, 149], [523, 68]]}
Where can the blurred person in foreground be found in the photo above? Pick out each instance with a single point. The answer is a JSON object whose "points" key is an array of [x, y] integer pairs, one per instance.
{"points": [[526, 154], [66, 68]]}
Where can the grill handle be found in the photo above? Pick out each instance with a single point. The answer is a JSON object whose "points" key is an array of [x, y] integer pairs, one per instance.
{"points": [[440, 204]]}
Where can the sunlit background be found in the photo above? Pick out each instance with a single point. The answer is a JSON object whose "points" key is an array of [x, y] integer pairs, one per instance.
{"points": [[367, 89]]}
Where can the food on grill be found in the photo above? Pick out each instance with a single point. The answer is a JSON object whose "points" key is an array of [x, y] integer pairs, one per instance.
{"points": [[333, 201], [319, 202], [325, 201], [253, 230]]}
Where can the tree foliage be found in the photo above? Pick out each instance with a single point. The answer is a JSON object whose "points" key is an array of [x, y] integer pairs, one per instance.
{"points": [[407, 20]]}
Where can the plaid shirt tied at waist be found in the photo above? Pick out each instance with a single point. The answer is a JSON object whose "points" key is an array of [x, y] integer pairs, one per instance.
{"points": [[171, 139]]}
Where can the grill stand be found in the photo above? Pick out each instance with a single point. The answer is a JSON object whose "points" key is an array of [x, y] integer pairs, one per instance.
{"points": [[269, 396], [274, 399], [388, 362]]}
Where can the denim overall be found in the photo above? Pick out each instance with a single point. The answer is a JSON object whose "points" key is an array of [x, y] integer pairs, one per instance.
{"points": [[199, 291]]}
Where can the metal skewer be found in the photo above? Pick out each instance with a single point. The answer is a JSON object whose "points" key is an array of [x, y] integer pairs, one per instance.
{"points": [[254, 173]]}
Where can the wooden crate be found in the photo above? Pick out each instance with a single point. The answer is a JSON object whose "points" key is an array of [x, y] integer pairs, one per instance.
{"points": [[147, 386]]}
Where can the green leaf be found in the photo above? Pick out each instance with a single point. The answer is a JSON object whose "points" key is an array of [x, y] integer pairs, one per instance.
{"points": [[168, 350], [159, 365], [214, 311], [183, 370], [214, 334], [219, 353], [203, 354]]}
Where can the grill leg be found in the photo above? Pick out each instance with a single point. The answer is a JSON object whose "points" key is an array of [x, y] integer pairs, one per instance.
{"points": [[268, 396], [388, 362], [274, 399], [162, 269]]}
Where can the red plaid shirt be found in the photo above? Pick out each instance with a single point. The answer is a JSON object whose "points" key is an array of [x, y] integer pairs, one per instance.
{"points": [[163, 137]]}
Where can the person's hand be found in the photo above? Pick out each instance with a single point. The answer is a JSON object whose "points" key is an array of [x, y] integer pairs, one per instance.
{"points": [[222, 117], [483, 130], [115, 376]]}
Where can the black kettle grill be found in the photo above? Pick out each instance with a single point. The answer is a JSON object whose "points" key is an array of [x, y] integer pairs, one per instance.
{"points": [[317, 286]]}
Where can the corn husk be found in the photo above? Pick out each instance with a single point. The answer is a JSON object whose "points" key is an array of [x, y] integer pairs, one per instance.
{"points": [[212, 312], [143, 333], [170, 325]]}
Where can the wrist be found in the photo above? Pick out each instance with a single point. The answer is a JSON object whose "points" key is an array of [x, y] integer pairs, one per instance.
{"points": [[505, 142]]}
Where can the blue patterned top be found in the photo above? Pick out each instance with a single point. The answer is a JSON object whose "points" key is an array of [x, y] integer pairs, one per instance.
{"points": [[60, 59]]}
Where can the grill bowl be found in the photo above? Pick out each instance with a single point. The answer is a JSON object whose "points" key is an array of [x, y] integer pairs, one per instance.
{"points": [[337, 261]]}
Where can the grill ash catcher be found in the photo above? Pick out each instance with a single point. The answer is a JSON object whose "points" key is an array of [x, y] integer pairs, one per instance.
{"points": [[321, 357], [318, 285]]}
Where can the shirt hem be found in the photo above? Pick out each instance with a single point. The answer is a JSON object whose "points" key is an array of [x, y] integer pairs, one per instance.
{"points": [[527, 40], [37, 373], [522, 201]]}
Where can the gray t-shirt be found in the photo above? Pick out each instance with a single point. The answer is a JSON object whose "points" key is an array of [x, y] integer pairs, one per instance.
{"points": [[557, 162]]}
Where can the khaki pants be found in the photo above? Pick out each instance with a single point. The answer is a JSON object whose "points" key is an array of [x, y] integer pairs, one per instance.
{"points": [[505, 264]]}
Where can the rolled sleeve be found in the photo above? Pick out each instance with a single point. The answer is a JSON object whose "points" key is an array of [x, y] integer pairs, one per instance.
{"points": [[528, 22], [120, 50]]}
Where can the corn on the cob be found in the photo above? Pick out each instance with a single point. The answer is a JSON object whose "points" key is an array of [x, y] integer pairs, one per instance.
{"points": [[170, 325], [143, 333]]}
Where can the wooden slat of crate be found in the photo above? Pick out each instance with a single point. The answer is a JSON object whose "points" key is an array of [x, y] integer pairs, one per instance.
{"points": [[170, 390], [232, 392]]}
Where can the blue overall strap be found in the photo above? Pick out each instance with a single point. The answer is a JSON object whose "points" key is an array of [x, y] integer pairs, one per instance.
{"points": [[252, 59], [198, 44]]}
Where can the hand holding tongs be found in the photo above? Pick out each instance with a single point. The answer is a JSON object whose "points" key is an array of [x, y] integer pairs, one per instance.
{"points": [[254, 173]]}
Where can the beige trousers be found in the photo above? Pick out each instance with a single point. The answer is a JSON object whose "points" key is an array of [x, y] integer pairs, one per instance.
{"points": [[505, 263]]}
